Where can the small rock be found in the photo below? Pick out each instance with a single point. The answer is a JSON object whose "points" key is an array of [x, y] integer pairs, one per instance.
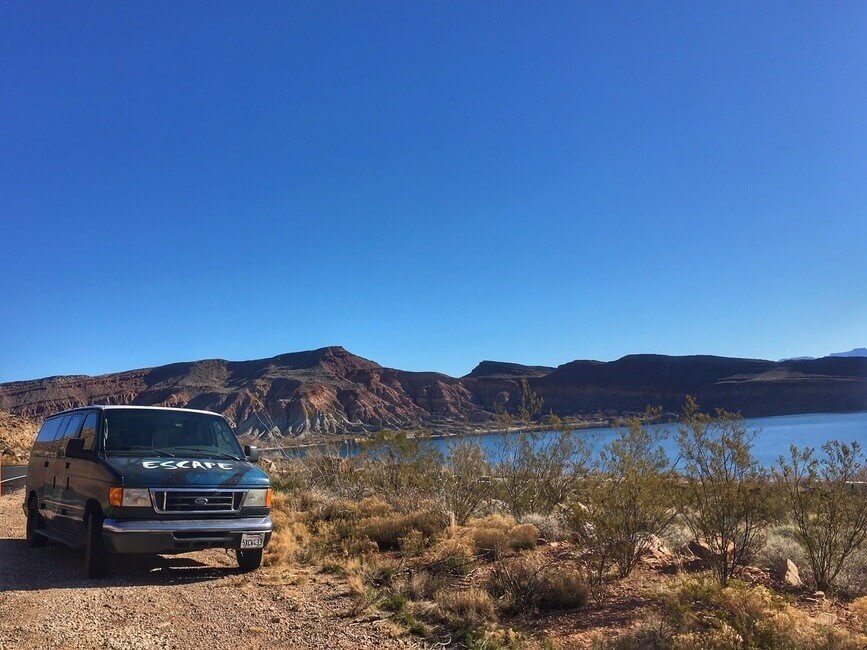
{"points": [[826, 618], [792, 576]]}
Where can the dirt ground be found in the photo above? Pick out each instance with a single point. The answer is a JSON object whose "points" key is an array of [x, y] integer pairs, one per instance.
{"points": [[185, 601]]}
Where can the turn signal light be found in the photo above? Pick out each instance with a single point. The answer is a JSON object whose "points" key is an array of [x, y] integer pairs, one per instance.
{"points": [[115, 496], [269, 497]]}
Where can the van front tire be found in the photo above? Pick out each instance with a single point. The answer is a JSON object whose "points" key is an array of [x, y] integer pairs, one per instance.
{"points": [[34, 523], [96, 555], [249, 560]]}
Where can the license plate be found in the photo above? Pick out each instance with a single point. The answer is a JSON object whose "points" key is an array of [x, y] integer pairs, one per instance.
{"points": [[252, 540]]}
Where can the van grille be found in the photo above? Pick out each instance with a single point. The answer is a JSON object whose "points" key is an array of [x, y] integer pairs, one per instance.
{"points": [[197, 500]]}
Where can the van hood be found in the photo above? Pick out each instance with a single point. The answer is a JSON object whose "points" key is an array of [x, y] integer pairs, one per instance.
{"points": [[142, 471]]}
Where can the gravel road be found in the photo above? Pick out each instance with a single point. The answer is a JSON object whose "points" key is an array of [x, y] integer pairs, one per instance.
{"points": [[184, 601]]}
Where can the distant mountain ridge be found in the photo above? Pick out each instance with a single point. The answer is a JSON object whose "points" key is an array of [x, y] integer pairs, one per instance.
{"points": [[331, 390], [854, 352]]}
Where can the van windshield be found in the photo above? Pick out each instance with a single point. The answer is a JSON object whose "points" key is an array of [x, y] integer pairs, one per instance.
{"points": [[168, 433]]}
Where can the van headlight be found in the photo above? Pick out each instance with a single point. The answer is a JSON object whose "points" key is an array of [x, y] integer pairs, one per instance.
{"points": [[129, 497], [257, 499]]}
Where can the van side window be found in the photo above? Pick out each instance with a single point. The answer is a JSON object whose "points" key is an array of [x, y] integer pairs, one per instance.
{"points": [[73, 427], [45, 437], [54, 443], [88, 431]]}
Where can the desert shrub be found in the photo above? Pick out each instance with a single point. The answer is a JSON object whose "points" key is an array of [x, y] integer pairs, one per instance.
{"points": [[328, 469], [538, 473], [829, 511], [523, 537], [465, 608], [702, 613], [852, 579], [530, 583], [677, 536], [631, 497], [781, 544], [398, 467], [288, 475], [728, 500], [551, 527], [490, 543], [466, 482]]}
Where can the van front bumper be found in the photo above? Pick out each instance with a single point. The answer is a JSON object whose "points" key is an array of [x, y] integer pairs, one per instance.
{"points": [[181, 536]]}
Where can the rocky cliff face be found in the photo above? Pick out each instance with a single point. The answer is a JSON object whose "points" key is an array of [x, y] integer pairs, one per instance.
{"points": [[333, 391]]}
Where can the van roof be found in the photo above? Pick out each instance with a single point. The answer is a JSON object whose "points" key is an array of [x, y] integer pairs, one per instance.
{"points": [[110, 407]]}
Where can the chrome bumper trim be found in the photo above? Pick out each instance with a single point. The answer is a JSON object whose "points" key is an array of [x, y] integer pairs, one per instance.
{"points": [[241, 524]]}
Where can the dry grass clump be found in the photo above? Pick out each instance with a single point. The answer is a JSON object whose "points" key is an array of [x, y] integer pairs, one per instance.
{"points": [[390, 531], [532, 584], [499, 522], [699, 613], [292, 538], [350, 510], [451, 557], [859, 609], [466, 608], [523, 537], [490, 543]]}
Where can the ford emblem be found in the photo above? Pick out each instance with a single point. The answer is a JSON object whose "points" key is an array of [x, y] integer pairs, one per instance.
{"points": [[201, 501]]}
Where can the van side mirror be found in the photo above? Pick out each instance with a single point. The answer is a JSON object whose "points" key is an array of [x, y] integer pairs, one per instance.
{"points": [[252, 453], [75, 448]]}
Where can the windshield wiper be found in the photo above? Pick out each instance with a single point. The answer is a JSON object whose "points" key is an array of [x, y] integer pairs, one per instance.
{"points": [[210, 452], [160, 452]]}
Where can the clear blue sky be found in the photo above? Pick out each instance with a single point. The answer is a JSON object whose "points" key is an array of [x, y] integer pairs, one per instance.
{"points": [[429, 186]]}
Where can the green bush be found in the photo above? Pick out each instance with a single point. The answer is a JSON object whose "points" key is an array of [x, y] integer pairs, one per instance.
{"points": [[829, 512], [729, 501]]}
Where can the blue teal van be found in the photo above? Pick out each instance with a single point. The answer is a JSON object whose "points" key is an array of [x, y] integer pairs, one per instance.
{"points": [[132, 479]]}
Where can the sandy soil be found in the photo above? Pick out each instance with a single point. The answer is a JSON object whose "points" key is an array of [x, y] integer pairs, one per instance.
{"points": [[185, 601]]}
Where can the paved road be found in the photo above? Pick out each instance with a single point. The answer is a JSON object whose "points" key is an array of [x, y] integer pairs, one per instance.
{"points": [[13, 476]]}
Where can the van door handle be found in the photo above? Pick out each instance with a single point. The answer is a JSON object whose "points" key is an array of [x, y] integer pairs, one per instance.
{"points": [[46, 464]]}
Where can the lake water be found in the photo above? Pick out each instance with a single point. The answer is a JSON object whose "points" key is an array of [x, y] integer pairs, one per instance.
{"points": [[773, 436]]}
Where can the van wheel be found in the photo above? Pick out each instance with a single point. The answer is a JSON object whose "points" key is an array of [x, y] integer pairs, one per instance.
{"points": [[34, 523], [250, 560], [96, 555]]}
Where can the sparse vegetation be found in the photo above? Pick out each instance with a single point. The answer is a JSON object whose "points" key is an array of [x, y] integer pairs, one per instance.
{"points": [[462, 551]]}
